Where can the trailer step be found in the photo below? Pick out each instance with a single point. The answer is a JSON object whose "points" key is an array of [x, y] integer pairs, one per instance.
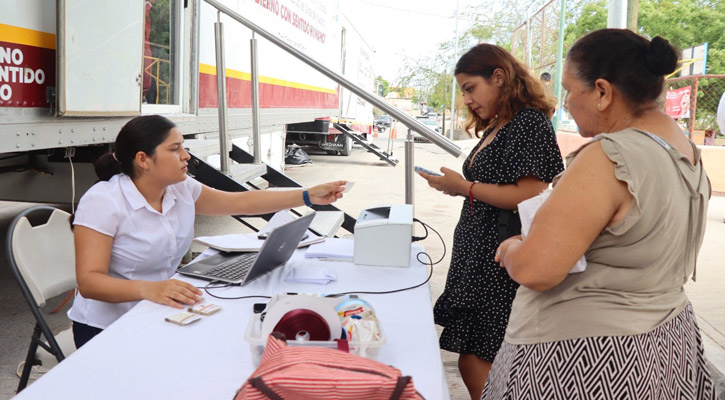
{"points": [[279, 181], [208, 150], [326, 223], [202, 148], [370, 146], [247, 172]]}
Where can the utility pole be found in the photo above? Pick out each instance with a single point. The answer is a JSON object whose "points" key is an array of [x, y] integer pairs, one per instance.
{"points": [[453, 85], [559, 67], [623, 14], [443, 110], [617, 14], [527, 45], [632, 14]]}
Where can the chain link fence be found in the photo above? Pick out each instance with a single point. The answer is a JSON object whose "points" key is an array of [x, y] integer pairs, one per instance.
{"points": [[535, 41], [699, 117]]}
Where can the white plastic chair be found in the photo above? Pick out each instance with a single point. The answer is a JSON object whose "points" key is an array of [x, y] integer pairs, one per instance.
{"points": [[42, 259]]}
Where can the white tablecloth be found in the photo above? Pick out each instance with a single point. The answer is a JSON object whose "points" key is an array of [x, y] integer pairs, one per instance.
{"points": [[141, 356]]}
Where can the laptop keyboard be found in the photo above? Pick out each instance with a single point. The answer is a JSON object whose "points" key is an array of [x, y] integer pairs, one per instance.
{"points": [[234, 269]]}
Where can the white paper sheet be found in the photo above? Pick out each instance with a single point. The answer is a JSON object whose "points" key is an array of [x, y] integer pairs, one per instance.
{"points": [[332, 248], [527, 211], [319, 276], [348, 186]]}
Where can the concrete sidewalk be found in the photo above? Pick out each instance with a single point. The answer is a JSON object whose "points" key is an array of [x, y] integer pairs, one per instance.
{"points": [[707, 294]]}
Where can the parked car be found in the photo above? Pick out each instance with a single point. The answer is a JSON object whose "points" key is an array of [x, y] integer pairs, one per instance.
{"points": [[382, 122], [430, 123]]}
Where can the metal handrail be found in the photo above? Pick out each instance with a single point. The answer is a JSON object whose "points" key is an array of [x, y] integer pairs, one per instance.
{"points": [[404, 118], [221, 89]]}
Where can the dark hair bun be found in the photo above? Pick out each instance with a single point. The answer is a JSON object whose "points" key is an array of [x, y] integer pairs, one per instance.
{"points": [[660, 56]]}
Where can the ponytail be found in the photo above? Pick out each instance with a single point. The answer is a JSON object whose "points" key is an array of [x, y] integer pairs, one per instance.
{"points": [[106, 166]]}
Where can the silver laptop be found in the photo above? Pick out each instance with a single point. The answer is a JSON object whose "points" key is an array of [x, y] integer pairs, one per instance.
{"points": [[242, 268]]}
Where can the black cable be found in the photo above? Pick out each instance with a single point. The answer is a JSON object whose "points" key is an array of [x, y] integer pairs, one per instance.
{"points": [[394, 290], [417, 238], [221, 285], [417, 257], [426, 226]]}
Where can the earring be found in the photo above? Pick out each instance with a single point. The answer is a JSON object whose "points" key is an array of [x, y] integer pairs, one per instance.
{"points": [[599, 106]]}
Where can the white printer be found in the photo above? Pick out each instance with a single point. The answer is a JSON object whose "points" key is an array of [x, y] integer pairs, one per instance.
{"points": [[383, 235]]}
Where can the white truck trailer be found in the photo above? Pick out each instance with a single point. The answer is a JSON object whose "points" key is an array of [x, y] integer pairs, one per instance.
{"points": [[72, 72]]}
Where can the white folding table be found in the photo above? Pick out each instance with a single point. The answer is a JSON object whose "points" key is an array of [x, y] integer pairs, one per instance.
{"points": [[141, 356]]}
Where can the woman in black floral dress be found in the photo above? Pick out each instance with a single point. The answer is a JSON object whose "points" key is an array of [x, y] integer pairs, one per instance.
{"points": [[516, 158]]}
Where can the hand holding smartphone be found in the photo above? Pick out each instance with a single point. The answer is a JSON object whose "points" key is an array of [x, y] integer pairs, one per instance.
{"points": [[426, 171]]}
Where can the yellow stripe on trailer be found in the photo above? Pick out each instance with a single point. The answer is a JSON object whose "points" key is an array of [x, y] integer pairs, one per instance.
{"points": [[245, 76], [28, 37]]}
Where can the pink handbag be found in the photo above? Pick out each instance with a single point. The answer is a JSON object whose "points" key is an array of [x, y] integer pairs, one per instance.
{"points": [[299, 373]]}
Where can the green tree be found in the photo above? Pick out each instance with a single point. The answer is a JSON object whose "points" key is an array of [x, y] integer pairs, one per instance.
{"points": [[684, 22], [593, 16], [432, 76], [383, 86], [425, 77], [687, 23]]}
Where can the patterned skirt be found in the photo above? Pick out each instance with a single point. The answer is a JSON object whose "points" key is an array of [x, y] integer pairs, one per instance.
{"points": [[666, 363]]}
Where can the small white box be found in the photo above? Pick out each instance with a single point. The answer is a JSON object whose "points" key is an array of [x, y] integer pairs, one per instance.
{"points": [[383, 236], [256, 342]]}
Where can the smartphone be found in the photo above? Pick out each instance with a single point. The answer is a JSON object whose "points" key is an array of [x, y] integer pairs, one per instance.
{"points": [[426, 171], [264, 235]]}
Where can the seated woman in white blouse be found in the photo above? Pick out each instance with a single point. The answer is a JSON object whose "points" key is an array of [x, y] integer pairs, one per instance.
{"points": [[133, 226]]}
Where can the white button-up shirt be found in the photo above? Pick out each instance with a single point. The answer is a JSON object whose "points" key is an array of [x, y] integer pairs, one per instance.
{"points": [[147, 244]]}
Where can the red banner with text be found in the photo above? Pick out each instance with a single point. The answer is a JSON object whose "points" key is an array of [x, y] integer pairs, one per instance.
{"points": [[25, 73], [677, 103]]}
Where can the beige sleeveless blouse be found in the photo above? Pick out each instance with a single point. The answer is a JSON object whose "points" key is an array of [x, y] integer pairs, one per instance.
{"points": [[635, 270]]}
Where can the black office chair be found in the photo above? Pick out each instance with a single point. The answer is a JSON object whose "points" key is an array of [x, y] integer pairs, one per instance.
{"points": [[42, 259]]}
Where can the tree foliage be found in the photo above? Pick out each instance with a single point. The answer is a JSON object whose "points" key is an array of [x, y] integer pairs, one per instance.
{"points": [[432, 76], [687, 23], [684, 23], [593, 16]]}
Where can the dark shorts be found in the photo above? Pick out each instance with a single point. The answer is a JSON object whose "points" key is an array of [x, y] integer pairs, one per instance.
{"points": [[82, 333]]}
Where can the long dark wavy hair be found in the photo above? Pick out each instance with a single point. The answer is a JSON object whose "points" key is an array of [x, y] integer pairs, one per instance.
{"points": [[520, 88]]}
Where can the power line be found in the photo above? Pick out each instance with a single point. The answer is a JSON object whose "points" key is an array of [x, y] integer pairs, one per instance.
{"points": [[409, 10]]}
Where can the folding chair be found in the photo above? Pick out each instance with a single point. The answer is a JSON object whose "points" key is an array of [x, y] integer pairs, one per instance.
{"points": [[42, 259]]}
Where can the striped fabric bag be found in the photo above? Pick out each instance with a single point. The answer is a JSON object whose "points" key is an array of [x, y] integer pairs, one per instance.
{"points": [[301, 373]]}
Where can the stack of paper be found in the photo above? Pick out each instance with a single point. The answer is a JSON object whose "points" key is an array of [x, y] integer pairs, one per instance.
{"points": [[320, 276], [332, 248]]}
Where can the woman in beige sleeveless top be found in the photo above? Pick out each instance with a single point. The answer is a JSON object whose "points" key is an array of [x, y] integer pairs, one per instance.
{"points": [[633, 201]]}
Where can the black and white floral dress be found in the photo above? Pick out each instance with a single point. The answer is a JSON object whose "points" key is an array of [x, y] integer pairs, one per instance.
{"points": [[475, 305]]}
